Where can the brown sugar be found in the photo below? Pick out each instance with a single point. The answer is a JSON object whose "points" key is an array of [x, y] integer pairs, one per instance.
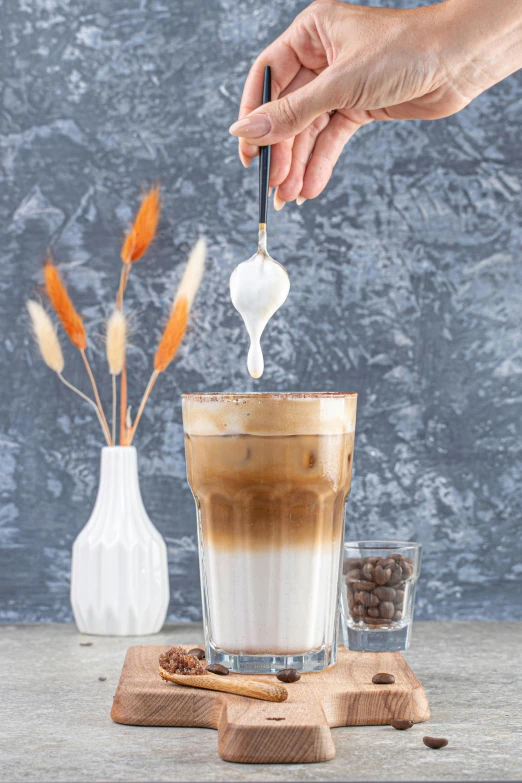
{"points": [[178, 661]]}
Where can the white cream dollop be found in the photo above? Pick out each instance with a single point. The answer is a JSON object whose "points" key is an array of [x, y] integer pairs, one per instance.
{"points": [[258, 287]]}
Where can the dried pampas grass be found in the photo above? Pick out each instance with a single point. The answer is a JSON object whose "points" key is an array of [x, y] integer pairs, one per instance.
{"points": [[46, 338], [116, 341], [51, 351], [69, 318], [116, 345], [177, 322], [144, 227], [135, 245]]}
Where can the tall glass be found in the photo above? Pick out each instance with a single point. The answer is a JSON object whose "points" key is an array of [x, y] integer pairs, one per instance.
{"points": [[270, 474]]}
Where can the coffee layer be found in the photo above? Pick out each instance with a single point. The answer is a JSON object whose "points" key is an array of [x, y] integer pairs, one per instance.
{"points": [[269, 414], [270, 492]]}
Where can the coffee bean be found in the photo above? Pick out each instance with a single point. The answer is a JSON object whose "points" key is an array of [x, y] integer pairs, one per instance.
{"points": [[374, 620], [350, 563], [217, 668], [387, 609], [399, 596], [382, 575], [397, 557], [397, 615], [288, 675], [396, 576], [197, 652], [373, 612], [367, 570], [85, 644], [102, 679], [353, 575], [402, 725], [367, 599], [382, 678], [388, 562], [385, 593], [358, 610], [362, 586], [435, 742], [372, 560]]}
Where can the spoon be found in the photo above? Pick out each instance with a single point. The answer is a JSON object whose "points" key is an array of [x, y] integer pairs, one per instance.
{"points": [[259, 286]]}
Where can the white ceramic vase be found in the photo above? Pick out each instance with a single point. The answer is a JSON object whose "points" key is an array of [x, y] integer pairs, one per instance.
{"points": [[119, 578]]}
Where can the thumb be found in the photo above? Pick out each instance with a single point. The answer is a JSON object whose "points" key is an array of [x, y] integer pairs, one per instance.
{"points": [[288, 116]]}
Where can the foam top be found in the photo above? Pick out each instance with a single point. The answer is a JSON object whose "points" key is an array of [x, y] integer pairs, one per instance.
{"points": [[321, 413]]}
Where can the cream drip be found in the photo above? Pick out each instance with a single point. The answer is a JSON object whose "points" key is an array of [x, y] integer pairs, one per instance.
{"points": [[258, 288]]}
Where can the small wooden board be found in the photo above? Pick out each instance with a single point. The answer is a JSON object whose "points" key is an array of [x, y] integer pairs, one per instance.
{"points": [[254, 731]]}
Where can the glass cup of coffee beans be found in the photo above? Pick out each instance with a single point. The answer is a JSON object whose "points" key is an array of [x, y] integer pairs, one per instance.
{"points": [[378, 593]]}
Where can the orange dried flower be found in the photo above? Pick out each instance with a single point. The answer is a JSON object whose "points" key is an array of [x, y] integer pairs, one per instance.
{"points": [[70, 319], [172, 336], [144, 228]]}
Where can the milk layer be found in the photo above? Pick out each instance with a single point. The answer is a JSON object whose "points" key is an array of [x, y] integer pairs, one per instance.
{"points": [[279, 601]]}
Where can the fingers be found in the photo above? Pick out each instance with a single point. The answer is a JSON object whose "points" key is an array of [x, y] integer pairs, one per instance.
{"points": [[304, 144], [284, 65], [281, 119], [282, 152], [328, 147]]}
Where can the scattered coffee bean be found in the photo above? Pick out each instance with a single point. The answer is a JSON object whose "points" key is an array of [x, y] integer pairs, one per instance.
{"points": [[217, 668], [387, 610], [435, 742], [402, 725], [85, 644], [102, 679], [383, 679], [288, 675], [197, 652]]}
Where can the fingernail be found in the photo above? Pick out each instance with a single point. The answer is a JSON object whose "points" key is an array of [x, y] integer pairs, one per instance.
{"points": [[270, 192], [278, 202], [300, 200], [253, 127], [244, 160]]}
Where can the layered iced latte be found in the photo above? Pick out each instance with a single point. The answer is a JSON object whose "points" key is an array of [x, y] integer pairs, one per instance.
{"points": [[270, 474]]}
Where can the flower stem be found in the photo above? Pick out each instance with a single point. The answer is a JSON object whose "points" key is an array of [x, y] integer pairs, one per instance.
{"points": [[114, 407], [146, 395], [97, 397], [124, 279], [87, 399]]}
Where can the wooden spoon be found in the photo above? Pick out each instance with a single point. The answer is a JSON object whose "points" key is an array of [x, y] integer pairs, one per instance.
{"points": [[213, 682]]}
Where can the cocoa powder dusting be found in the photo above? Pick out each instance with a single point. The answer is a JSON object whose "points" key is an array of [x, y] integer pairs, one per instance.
{"points": [[178, 661]]}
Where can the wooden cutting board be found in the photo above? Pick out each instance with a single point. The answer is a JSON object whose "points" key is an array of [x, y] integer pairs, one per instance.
{"points": [[260, 732]]}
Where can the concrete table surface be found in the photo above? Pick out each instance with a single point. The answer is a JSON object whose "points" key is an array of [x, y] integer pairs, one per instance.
{"points": [[55, 723]]}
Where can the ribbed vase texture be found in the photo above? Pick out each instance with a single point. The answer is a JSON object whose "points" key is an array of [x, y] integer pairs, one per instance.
{"points": [[119, 579]]}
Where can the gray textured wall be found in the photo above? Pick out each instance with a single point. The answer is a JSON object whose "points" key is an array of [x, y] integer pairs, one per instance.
{"points": [[406, 287]]}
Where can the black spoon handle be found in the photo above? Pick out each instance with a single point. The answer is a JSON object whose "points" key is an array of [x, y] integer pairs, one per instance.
{"points": [[264, 156]]}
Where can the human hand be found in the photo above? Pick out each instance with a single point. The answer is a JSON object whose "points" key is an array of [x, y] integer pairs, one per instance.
{"points": [[340, 66]]}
